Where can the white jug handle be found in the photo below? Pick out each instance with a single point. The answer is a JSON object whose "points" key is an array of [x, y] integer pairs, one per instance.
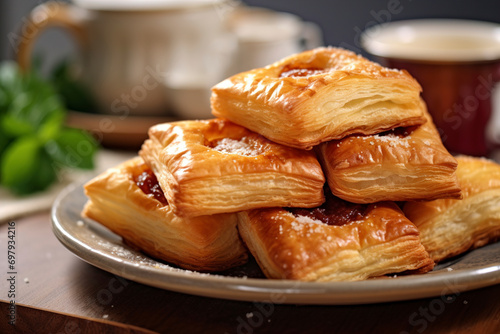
{"points": [[45, 15]]}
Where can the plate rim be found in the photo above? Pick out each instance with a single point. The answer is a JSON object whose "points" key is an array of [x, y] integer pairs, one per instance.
{"points": [[434, 284]]}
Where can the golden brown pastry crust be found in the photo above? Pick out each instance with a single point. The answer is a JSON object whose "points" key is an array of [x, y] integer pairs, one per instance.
{"points": [[400, 165], [206, 243], [451, 227], [215, 166], [317, 96], [291, 246]]}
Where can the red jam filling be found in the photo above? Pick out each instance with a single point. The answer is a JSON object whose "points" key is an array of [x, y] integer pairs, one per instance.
{"points": [[334, 211], [399, 132], [149, 185], [288, 72]]}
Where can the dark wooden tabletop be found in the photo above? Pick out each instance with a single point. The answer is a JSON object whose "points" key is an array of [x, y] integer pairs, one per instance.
{"points": [[56, 292]]}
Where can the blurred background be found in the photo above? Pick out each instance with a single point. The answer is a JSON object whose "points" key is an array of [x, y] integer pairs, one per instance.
{"points": [[127, 83], [341, 21]]}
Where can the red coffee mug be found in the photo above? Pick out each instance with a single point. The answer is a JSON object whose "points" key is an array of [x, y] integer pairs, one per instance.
{"points": [[457, 63]]}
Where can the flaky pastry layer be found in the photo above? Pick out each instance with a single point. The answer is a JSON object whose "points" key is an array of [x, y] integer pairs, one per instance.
{"points": [[451, 227], [319, 95], [400, 165], [291, 246], [206, 243], [215, 166]]}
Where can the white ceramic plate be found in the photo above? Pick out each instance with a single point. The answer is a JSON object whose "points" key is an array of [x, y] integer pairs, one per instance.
{"points": [[103, 249]]}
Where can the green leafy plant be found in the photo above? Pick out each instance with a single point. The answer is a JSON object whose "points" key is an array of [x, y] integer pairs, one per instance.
{"points": [[76, 96], [35, 145]]}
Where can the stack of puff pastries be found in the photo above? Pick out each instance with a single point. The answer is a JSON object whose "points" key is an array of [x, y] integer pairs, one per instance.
{"points": [[323, 166]]}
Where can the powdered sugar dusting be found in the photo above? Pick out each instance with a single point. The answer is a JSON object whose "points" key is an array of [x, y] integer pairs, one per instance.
{"points": [[306, 226], [307, 220], [241, 147], [389, 140]]}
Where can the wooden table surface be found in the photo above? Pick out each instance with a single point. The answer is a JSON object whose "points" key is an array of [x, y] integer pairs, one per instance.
{"points": [[56, 292]]}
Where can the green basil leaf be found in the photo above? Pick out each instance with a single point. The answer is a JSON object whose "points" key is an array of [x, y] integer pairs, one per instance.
{"points": [[46, 172], [75, 94], [13, 126], [20, 162], [73, 148], [4, 100], [38, 173], [4, 142], [29, 112], [51, 127]]}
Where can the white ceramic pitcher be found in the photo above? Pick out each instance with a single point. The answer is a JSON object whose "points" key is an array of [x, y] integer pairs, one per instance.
{"points": [[129, 50]]}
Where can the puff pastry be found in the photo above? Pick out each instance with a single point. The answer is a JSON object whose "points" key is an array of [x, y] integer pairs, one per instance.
{"points": [[399, 165], [215, 166], [127, 200], [451, 227], [339, 241], [319, 95]]}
